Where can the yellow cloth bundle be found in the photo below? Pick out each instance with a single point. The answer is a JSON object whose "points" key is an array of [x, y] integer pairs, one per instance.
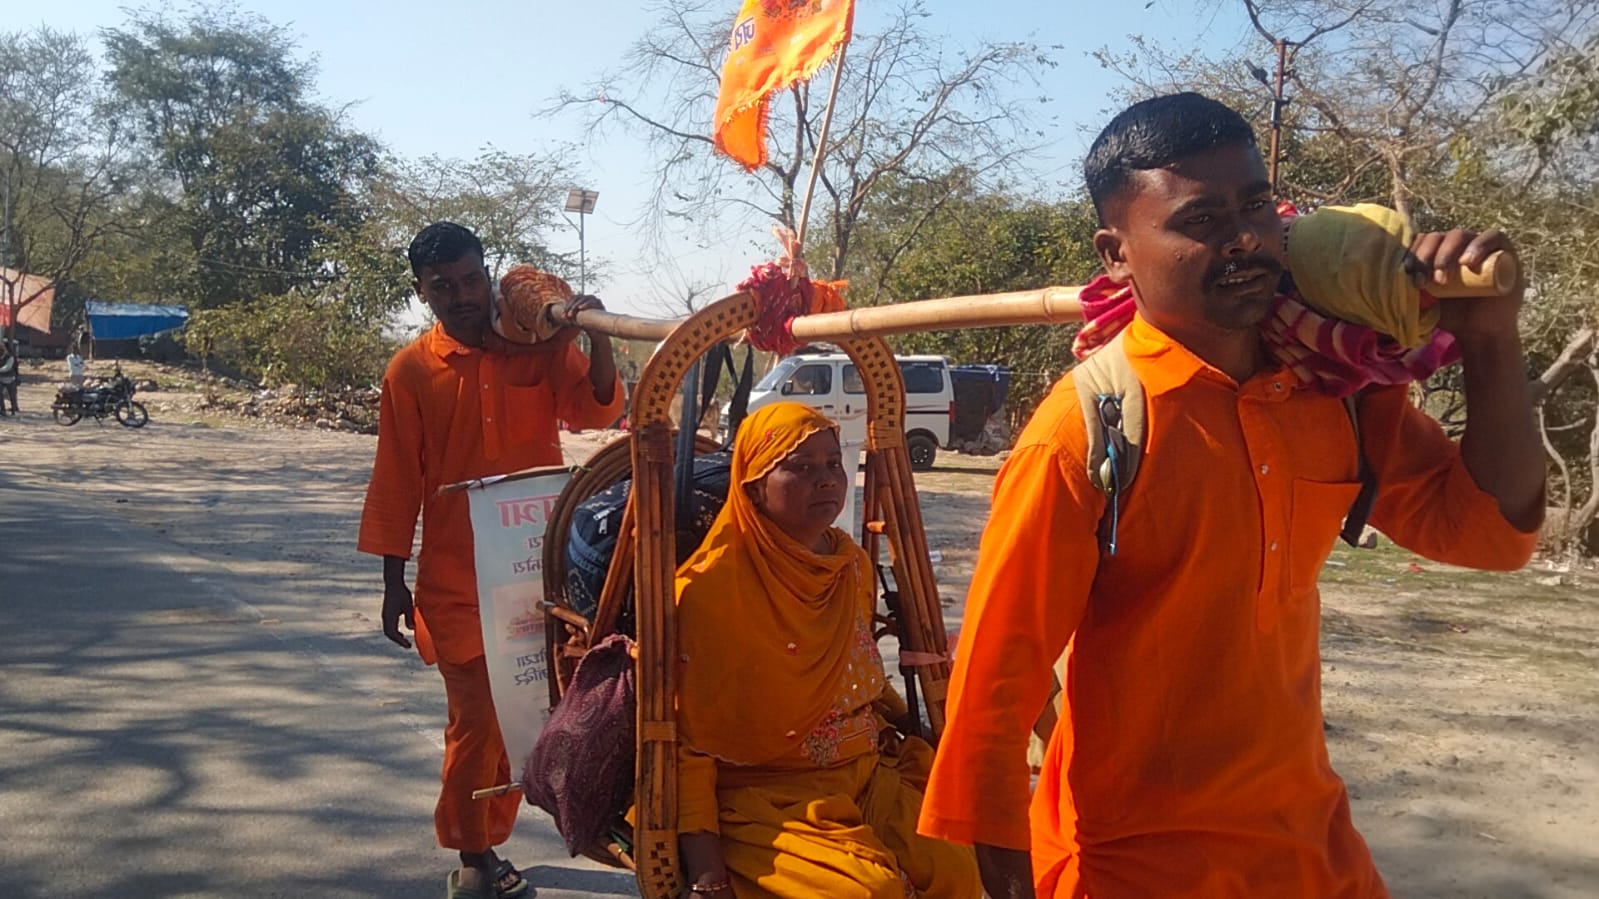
{"points": [[1349, 263]]}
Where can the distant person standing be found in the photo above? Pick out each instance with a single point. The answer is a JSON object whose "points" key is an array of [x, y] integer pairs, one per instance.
{"points": [[9, 377], [462, 402], [75, 367]]}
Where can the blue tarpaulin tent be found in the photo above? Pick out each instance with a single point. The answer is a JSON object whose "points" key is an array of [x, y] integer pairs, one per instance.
{"points": [[124, 321]]}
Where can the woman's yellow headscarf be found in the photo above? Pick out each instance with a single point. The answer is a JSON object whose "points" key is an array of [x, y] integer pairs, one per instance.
{"points": [[765, 624]]}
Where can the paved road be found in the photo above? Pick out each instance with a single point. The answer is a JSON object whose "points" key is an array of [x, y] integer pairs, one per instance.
{"points": [[170, 728]]}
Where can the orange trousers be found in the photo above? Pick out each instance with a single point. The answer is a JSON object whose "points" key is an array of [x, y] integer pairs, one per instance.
{"points": [[474, 758]]}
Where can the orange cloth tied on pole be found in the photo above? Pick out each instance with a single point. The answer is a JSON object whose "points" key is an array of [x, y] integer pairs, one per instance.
{"points": [[775, 44]]}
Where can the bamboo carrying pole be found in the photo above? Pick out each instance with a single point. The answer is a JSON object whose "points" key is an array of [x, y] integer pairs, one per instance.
{"points": [[500, 790], [893, 494], [1028, 307], [1500, 274], [1050, 305]]}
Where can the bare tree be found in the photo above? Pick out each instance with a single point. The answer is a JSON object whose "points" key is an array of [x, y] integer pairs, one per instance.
{"points": [[61, 163], [1478, 112], [512, 200], [1392, 84], [1571, 525], [909, 106], [1397, 80], [675, 291]]}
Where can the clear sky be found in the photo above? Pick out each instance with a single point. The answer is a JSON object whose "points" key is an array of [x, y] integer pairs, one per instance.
{"points": [[450, 76]]}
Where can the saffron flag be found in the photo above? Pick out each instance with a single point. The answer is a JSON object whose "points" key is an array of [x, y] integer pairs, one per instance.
{"points": [[775, 44]]}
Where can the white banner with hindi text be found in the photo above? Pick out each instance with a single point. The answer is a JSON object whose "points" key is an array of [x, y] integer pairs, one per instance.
{"points": [[508, 521]]}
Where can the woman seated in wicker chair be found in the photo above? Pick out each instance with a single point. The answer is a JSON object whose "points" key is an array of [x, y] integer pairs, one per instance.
{"points": [[791, 782]]}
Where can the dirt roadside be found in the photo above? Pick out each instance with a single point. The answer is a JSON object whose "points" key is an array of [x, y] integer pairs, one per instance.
{"points": [[1462, 708]]}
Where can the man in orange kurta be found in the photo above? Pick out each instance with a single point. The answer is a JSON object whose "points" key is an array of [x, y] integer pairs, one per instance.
{"points": [[459, 403], [1189, 760]]}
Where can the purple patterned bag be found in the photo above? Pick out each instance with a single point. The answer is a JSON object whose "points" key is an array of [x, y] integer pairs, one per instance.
{"points": [[581, 769]]}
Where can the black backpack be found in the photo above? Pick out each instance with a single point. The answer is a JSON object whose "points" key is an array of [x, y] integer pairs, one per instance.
{"points": [[701, 492], [597, 523]]}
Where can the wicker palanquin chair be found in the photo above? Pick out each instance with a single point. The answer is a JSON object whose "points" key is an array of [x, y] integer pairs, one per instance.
{"points": [[569, 633], [643, 568]]}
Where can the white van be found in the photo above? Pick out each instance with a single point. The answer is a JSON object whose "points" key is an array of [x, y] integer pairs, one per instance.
{"points": [[830, 383]]}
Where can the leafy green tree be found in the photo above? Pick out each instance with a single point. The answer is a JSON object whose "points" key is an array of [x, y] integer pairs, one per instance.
{"points": [[331, 331], [512, 200], [921, 239], [313, 339], [255, 174]]}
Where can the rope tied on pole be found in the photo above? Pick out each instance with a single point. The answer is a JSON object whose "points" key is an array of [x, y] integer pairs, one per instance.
{"points": [[782, 298]]}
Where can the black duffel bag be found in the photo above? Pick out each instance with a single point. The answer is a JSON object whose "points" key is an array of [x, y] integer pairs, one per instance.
{"points": [[597, 524]]}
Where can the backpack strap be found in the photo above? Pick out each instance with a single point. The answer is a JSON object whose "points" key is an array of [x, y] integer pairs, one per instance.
{"points": [[1114, 416], [1116, 423], [739, 406], [1360, 510]]}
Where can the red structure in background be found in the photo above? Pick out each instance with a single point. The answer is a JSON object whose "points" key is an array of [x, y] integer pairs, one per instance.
{"points": [[26, 303]]}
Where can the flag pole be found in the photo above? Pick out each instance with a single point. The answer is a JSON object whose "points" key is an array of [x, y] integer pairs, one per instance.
{"points": [[821, 148]]}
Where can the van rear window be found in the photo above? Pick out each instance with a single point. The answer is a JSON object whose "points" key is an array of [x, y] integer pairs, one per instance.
{"points": [[923, 377]]}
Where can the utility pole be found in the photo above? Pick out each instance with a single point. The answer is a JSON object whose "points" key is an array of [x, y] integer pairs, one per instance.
{"points": [[1278, 103]]}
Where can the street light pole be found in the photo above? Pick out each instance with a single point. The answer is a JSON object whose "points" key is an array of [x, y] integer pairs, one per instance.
{"points": [[581, 201]]}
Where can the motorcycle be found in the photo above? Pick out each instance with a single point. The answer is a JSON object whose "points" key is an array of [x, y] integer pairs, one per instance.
{"points": [[108, 398]]}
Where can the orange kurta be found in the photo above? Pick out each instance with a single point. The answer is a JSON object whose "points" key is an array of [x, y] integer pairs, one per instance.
{"points": [[451, 413], [1190, 760]]}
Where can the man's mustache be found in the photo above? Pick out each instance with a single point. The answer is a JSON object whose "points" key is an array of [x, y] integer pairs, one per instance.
{"points": [[1232, 267]]}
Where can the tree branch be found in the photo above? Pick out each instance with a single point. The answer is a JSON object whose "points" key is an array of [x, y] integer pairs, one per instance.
{"points": [[1572, 360]]}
